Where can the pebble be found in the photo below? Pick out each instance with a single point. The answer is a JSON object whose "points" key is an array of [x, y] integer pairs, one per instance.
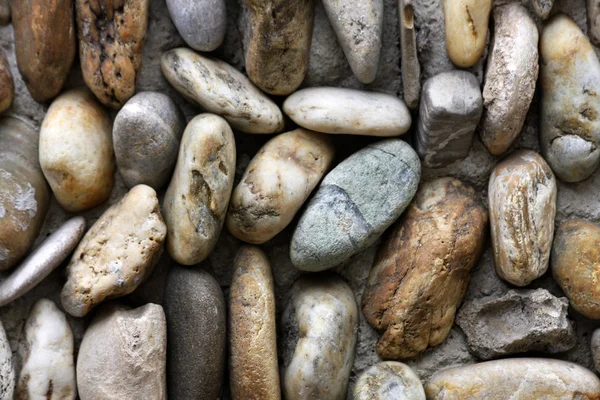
{"points": [[595, 348], [76, 151], [593, 21], [253, 370], [146, 135], [277, 36], [4, 18], [201, 23], [451, 106], [25, 196], [466, 24], [542, 8], [517, 322], [348, 111], [355, 203], [221, 89], [7, 85], [42, 261], [411, 69], [576, 265], [319, 329], [123, 354], [388, 380], [44, 44], [510, 79], [7, 373], [570, 111], [421, 271], [46, 350], [111, 43], [276, 183], [515, 378], [522, 204], [195, 204], [359, 29], [117, 253], [196, 319]]}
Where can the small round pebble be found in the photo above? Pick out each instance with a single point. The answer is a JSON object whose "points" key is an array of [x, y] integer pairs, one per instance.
{"points": [[389, 380], [201, 23]]}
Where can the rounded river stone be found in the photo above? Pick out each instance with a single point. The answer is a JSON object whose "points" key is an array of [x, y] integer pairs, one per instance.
{"points": [[466, 23], [595, 348], [7, 85], [388, 380], [201, 23], [7, 373]]}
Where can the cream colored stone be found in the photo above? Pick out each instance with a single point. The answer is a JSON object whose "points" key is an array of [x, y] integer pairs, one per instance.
{"points": [[466, 29], [388, 380]]}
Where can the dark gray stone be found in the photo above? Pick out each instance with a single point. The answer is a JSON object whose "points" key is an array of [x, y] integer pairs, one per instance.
{"points": [[201, 23], [595, 348]]}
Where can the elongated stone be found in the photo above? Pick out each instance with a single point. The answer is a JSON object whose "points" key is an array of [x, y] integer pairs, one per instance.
{"points": [[7, 85], [201, 23], [348, 111], [466, 24], [411, 69], [276, 183], [450, 110], [221, 89], [593, 21], [388, 380], [570, 111], [542, 8], [7, 372]]}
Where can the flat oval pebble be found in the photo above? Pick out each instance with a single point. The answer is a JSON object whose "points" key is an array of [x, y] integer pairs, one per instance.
{"points": [[146, 135], [388, 380], [276, 183], [355, 203], [7, 372], [348, 111], [201, 23], [221, 89], [466, 23], [196, 201], [7, 85]]}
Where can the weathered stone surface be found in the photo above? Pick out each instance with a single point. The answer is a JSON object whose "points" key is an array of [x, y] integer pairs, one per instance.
{"points": [[593, 21], [46, 350], [388, 380], [7, 373], [466, 24], [276, 183], [25, 196], [522, 204], [201, 23], [277, 36], [4, 12], [195, 204], [44, 44], [570, 111], [7, 86], [221, 89], [146, 135], [123, 354], [196, 321], [518, 321], [450, 110], [319, 328], [117, 253], [411, 70], [76, 151], [542, 8], [355, 203], [518, 378], [42, 261], [422, 270], [111, 42], [595, 347], [253, 371], [510, 78]]}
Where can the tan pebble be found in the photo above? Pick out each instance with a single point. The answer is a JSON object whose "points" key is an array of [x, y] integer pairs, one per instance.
{"points": [[466, 29], [7, 85]]}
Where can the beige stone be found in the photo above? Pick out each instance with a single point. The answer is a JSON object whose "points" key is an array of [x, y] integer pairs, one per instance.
{"points": [[388, 380], [7, 85], [466, 29]]}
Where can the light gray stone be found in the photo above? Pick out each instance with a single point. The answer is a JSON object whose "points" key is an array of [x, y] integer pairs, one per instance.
{"points": [[542, 8], [389, 380], [593, 20], [411, 70], [595, 347], [201, 23], [7, 373]]}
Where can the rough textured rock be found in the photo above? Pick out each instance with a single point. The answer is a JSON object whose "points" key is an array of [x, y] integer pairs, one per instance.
{"points": [[4, 12], [542, 8], [111, 41], [44, 44], [196, 319], [466, 24], [201, 23], [422, 269], [7, 86], [411, 70], [46, 350], [388, 380], [595, 347], [450, 110], [117, 253], [123, 354], [276, 183], [146, 135], [593, 21], [319, 327], [7, 373], [355, 203], [570, 111]]}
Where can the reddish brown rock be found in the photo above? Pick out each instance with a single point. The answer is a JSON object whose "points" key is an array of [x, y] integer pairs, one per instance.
{"points": [[7, 86]]}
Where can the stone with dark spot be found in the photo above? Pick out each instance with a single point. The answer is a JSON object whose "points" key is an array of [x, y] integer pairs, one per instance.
{"points": [[388, 380], [7, 85], [542, 8], [201, 23], [466, 23]]}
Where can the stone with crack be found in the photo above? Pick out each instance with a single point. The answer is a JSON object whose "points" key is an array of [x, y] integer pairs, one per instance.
{"points": [[7, 85], [201, 23], [466, 23], [411, 70], [389, 380], [7, 372]]}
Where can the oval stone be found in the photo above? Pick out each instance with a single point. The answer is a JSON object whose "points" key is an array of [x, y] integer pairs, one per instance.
{"points": [[276, 183], [388, 380], [201, 23], [522, 204], [7, 373], [319, 326], [7, 85], [146, 135], [196, 201], [466, 24], [221, 89], [76, 151], [348, 111], [355, 203]]}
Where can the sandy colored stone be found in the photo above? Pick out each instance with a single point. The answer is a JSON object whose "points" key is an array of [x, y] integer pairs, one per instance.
{"points": [[253, 370], [522, 204], [195, 204], [44, 44], [201, 23], [593, 21], [7, 86], [25, 195], [221, 89], [117, 253], [422, 270], [411, 69], [542, 8], [111, 42], [466, 23], [7, 373], [76, 151], [389, 380], [276, 183]]}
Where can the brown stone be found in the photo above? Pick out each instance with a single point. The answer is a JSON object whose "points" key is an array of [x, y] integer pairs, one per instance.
{"points": [[7, 85], [411, 70], [111, 42], [422, 270], [4, 12]]}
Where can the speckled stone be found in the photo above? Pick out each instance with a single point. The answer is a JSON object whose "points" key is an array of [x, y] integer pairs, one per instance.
{"points": [[7, 373], [593, 20], [411, 69], [389, 380], [542, 8], [7, 85], [201, 23], [466, 23]]}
